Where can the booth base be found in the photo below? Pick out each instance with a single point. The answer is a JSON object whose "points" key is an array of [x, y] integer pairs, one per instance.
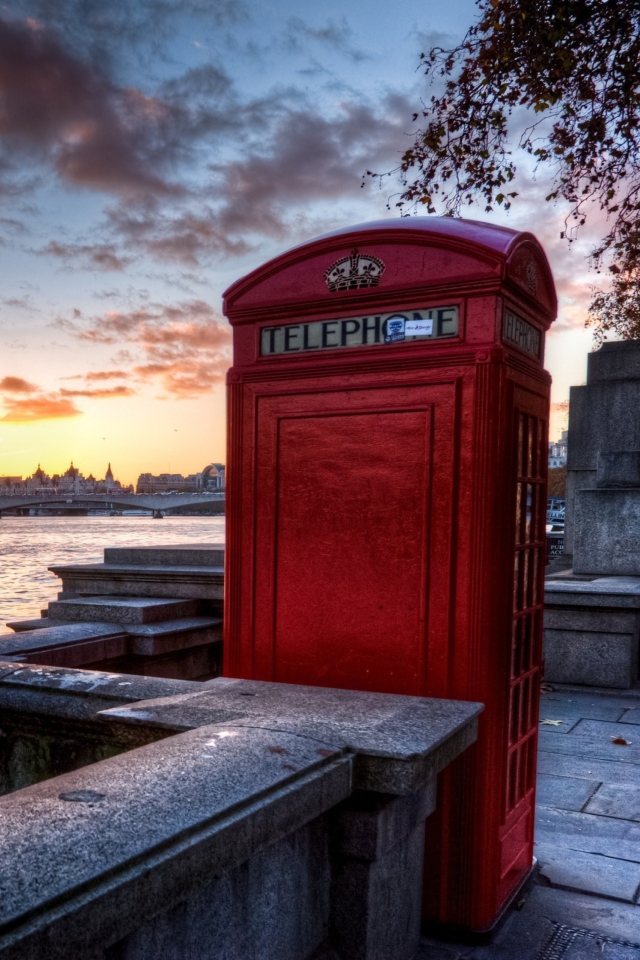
{"points": [[454, 933]]}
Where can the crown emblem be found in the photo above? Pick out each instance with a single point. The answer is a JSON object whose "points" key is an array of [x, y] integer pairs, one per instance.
{"points": [[351, 273]]}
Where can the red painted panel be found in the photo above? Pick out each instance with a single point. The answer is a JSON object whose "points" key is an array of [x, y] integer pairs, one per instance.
{"points": [[349, 600], [347, 552]]}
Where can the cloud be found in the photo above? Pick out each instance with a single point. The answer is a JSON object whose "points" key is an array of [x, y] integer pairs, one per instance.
{"points": [[187, 346], [22, 303], [59, 405], [335, 35], [99, 375], [105, 393], [17, 385], [34, 409], [64, 110], [297, 159], [308, 158], [96, 256], [186, 238]]}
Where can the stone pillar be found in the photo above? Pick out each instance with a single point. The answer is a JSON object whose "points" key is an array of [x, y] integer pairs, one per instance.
{"points": [[378, 858], [592, 610]]}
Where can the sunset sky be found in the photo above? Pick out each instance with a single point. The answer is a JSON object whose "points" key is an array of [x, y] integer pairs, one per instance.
{"points": [[153, 151]]}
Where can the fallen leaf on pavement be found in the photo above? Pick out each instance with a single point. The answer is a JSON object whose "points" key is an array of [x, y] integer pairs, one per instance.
{"points": [[620, 741], [552, 723]]}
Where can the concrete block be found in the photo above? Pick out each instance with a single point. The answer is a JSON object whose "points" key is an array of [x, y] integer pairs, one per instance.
{"points": [[273, 907], [618, 469], [591, 620], [590, 658], [607, 532]]}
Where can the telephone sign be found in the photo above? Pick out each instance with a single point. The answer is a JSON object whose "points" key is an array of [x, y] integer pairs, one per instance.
{"points": [[408, 326]]}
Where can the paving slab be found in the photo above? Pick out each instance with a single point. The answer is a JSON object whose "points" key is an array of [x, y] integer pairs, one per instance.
{"points": [[566, 793], [600, 748], [571, 944], [565, 824], [553, 705], [618, 800], [631, 716], [580, 911], [587, 768], [552, 721], [600, 729], [591, 873]]}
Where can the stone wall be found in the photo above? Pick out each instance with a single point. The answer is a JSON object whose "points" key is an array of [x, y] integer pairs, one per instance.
{"points": [[241, 820]]}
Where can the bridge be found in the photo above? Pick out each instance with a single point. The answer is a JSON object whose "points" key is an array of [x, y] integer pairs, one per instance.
{"points": [[128, 501]]}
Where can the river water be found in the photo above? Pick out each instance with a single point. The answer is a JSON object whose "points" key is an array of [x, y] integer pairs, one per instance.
{"points": [[28, 545]]}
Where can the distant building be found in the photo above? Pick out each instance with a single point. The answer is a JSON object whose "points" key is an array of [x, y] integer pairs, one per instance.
{"points": [[210, 479], [166, 483], [70, 482], [558, 452]]}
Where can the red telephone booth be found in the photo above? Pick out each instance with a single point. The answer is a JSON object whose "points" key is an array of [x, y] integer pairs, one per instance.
{"points": [[386, 503]]}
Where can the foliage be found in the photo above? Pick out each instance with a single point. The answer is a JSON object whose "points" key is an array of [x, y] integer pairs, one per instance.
{"points": [[557, 481], [568, 69]]}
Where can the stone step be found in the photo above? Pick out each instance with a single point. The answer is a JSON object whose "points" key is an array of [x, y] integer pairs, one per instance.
{"points": [[19, 626], [121, 610], [172, 555], [153, 639], [122, 580], [72, 644], [68, 645]]}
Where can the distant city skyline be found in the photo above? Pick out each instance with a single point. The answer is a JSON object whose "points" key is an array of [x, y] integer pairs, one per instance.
{"points": [[74, 480]]}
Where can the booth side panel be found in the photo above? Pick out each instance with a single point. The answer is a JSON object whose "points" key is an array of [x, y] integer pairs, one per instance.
{"points": [[530, 430], [485, 808]]}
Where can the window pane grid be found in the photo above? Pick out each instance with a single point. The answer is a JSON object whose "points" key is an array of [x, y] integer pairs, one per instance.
{"points": [[526, 641]]}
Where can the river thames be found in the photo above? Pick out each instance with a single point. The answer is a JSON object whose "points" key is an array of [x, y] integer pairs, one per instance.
{"points": [[28, 545]]}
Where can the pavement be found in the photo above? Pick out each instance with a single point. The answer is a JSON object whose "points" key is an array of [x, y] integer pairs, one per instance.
{"points": [[584, 903]]}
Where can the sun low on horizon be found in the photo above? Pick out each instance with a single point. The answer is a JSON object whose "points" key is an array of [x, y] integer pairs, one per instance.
{"points": [[153, 153]]}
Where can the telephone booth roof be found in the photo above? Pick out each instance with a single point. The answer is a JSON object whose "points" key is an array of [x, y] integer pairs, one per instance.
{"points": [[463, 254]]}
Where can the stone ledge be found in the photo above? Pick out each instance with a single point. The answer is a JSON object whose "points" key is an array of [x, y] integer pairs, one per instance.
{"points": [[172, 555], [166, 819], [78, 694], [191, 583], [401, 741], [140, 850]]}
